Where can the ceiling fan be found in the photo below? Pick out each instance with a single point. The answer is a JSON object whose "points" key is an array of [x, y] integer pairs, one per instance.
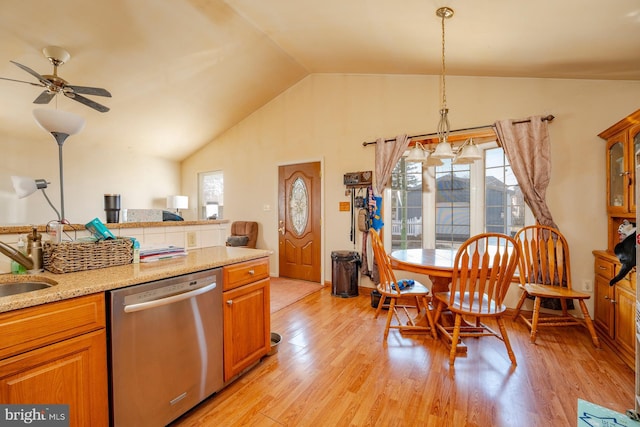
{"points": [[54, 84]]}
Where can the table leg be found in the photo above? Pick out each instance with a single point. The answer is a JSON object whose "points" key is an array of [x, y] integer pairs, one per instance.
{"points": [[441, 284]]}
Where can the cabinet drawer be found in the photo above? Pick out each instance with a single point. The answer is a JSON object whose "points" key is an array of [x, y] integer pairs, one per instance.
{"points": [[29, 328], [604, 268], [245, 272]]}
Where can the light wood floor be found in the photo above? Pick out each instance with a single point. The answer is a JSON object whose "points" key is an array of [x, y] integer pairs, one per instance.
{"points": [[333, 369]]}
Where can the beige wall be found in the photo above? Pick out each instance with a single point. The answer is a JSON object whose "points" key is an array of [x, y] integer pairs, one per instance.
{"points": [[327, 117], [89, 173]]}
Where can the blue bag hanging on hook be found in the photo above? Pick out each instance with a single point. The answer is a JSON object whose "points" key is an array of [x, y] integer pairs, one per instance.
{"points": [[377, 222]]}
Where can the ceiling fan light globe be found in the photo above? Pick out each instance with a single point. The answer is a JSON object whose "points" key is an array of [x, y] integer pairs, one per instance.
{"points": [[56, 55]]}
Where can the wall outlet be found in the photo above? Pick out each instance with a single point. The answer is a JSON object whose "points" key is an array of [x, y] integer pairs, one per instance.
{"points": [[587, 285], [192, 239]]}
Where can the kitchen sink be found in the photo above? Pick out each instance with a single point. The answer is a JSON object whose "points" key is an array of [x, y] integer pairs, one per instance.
{"points": [[18, 284]]}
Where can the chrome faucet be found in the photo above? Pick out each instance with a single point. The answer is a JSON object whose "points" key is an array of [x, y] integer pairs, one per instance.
{"points": [[17, 256]]}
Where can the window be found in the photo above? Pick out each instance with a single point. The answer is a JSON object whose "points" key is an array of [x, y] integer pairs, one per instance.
{"points": [[442, 206], [406, 205], [211, 195], [504, 202]]}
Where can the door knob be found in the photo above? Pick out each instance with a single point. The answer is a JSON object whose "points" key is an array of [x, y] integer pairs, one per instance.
{"points": [[281, 230]]}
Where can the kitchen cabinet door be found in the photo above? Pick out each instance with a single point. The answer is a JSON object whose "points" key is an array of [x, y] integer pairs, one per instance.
{"points": [[625, 332], [72, 372], [247, 328], [603, 316]]}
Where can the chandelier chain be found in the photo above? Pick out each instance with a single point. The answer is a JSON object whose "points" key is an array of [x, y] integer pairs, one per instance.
{"points": [[443, 82]]}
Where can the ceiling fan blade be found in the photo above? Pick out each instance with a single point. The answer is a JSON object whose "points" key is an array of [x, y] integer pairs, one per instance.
{"points": [[40, 78], [89, 90], [22, 81], [87, 102], [45, 97]]}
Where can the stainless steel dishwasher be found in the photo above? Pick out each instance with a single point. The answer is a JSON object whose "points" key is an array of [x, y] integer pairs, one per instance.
{"points": [[165, 347]]}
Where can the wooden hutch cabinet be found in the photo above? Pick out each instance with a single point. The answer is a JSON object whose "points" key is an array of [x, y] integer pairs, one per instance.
{"points": [[614, 315]]}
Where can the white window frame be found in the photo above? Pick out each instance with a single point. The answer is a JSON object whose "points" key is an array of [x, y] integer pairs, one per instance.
{"points": [[476, 202], [205, 199]]}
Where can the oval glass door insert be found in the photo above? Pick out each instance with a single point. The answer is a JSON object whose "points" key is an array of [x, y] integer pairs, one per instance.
{"points": [[299, 206]]}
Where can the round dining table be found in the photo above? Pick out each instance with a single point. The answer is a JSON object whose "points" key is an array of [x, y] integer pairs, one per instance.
{"points": [[435, 263], [438, 265]]}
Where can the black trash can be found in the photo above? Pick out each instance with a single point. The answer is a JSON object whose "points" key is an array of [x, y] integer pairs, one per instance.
{"points": [[344, 273]]}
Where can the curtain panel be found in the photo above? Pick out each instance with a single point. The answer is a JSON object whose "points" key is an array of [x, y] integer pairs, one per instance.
{"points": [[527, 146]]}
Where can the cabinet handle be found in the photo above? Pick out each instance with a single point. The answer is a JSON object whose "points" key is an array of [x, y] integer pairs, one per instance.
{"points": [[230, 302], [251, 272], [602, 268]]}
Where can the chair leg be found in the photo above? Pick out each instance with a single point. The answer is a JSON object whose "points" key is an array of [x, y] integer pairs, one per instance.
{"points": [[379, 307], [436, 316], [534, 320], [505, 338], [563, 304], [587, 320], [432, 324], [392, 307], [454, 339], [523, 297]]}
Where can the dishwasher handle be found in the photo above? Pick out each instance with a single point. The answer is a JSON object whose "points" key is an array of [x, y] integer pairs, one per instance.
{"points": [[169, 300]]}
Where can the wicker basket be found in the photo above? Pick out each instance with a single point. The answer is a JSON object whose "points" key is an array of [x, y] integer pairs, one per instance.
{"points": [[67, 257]]}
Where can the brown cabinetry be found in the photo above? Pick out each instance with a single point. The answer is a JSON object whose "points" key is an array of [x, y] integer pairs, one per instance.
{"points": [[246, 307], [614, 315], [623, 141], [56, 354], [615, 305]]}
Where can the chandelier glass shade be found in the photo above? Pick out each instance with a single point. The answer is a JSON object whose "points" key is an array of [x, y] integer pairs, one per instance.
{"points": [[466, 153]]}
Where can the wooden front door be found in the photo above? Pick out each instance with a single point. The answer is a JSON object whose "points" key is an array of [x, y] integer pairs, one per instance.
{"points": [[299, 221]]}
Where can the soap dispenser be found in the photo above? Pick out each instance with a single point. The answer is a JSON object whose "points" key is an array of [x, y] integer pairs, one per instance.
{"points": [[16, 267], [34, 249]]}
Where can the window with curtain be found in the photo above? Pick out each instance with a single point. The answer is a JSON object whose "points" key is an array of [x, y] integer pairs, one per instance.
{"points": [[442, 206]]}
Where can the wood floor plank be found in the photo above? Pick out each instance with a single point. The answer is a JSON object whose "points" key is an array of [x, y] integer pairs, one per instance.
{"points": [[333, 368]]}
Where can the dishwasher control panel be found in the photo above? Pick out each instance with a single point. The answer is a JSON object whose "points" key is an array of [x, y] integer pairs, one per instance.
{"points": [[168, 290]]}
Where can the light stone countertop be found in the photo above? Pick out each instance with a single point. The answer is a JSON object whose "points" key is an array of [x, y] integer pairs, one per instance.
{"points": [[22, 229], [70, 285]]}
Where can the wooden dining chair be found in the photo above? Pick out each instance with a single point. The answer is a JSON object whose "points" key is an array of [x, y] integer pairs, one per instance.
{"points": [[392, 290], [545, 272], [482, 271]]}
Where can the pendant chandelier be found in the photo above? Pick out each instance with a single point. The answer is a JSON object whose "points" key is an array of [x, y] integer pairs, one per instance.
{"points": [[443, 149], [468, 152]]}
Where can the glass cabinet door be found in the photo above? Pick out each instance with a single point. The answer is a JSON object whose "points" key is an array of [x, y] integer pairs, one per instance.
{"points": [[617, 178], [635, 137]]}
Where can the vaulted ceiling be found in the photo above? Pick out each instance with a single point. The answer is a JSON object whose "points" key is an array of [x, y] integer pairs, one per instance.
{"points": [[181, 72]]}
